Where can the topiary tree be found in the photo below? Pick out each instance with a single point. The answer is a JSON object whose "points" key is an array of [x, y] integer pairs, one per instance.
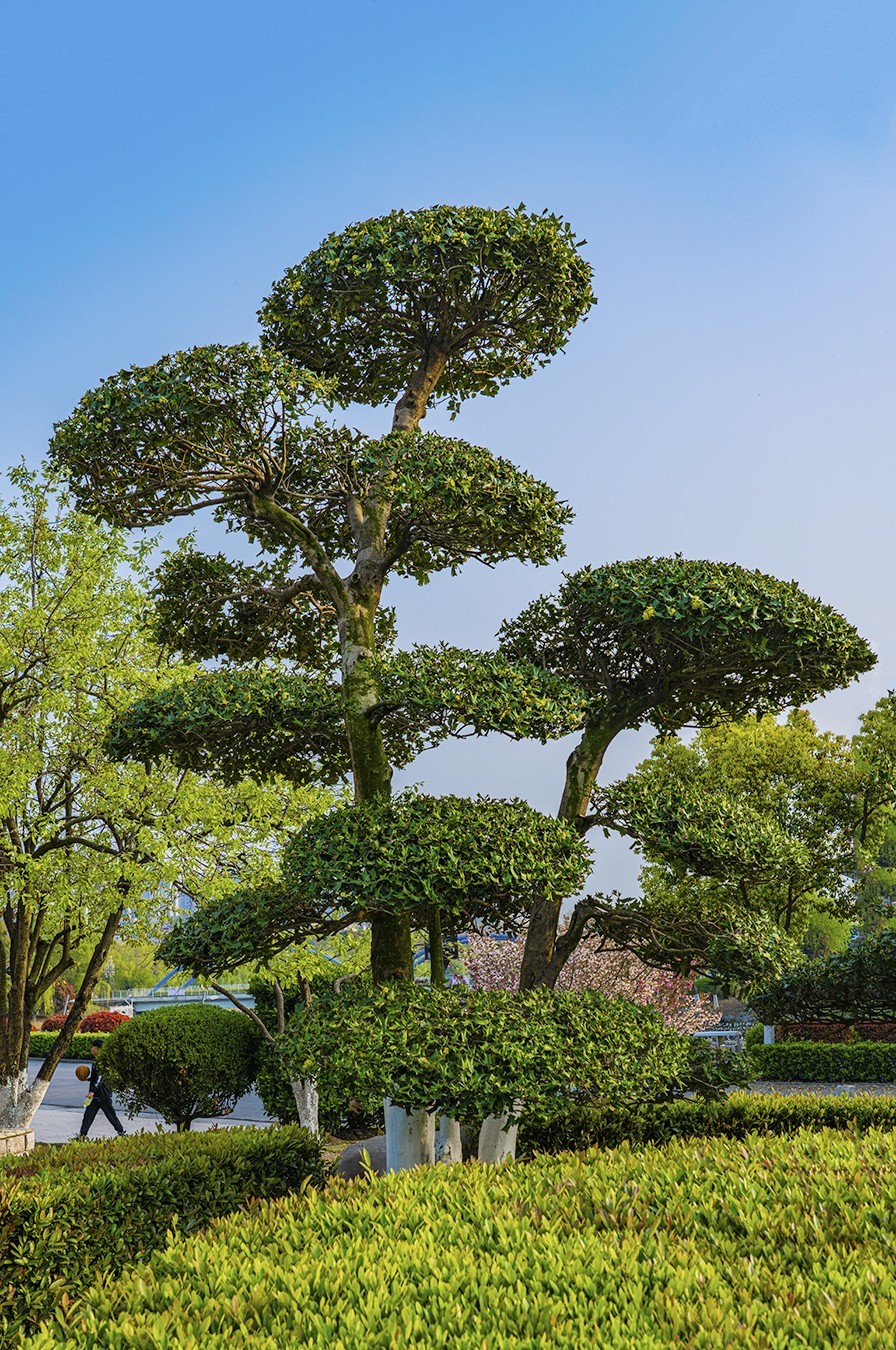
{"points": [[446, 302], [185, 1062], [485, 1055], [668, 642]]}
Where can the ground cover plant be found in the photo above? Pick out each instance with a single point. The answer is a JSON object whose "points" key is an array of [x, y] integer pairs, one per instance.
{"points": [[68, 1213], [769, 1242]]}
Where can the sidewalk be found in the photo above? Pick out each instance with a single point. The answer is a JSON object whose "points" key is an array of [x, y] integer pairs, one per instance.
{"points": [[59, 1124]]}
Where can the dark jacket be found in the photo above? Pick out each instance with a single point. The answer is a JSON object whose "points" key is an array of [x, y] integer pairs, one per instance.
{"points": [[96, 1085]]}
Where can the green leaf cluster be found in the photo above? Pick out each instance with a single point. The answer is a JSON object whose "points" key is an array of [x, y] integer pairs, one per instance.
{"points": [[671, 642], [476, 861], [733, 1117], [701, 1243], [73, 1212], [472, 1053], [494, 293], [185, 1062], [256, 722], [823, 1062], [857, 985]]}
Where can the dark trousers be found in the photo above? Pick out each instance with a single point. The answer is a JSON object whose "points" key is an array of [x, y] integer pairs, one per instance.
{"points": [[100, 1102]]}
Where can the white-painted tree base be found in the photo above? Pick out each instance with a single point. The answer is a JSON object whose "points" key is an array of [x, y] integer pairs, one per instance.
{"points": [[19, 1101], [307, 1103], [410, 1137], [497, 1139], [448, 1148]]}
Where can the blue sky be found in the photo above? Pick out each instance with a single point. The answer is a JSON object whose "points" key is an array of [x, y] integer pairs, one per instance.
{"points": [[731, 166]]}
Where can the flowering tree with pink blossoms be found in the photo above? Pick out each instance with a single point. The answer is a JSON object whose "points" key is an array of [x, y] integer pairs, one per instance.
{"points": [[494, 963]]}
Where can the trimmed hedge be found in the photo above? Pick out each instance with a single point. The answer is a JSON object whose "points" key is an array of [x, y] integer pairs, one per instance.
{"points": [[822, 1062], [778, 1242], [734, 1117], [42, 1041], [68, 1213]]}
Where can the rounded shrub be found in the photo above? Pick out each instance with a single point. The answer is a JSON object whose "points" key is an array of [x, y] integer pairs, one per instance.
{"points": [[186, 1062]]}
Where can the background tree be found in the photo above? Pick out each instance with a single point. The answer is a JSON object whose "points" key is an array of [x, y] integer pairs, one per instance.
{"points": [[446, 302], [670, 643], [87, 844], [756, 820], [493, 963]]}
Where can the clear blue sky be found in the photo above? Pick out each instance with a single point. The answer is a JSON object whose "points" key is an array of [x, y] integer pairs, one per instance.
{"points": [[731, 166]]}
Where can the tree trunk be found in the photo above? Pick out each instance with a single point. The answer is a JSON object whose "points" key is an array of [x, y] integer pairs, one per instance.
{"points": [[410, 1137], [391, 953], [542, 959], [448, 1144], [19, 1101], [307, 1103], [497, 1138]]}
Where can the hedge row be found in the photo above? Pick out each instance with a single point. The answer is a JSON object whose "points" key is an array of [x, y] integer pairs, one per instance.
{"points": [[41, 1042], [68, 1213], [821, 1062], [779, 1242], [733, 1118]]}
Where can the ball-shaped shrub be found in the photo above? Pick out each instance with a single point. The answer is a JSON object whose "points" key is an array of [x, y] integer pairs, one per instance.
{"points": [[102, 1021], [184, 1062], [54, 1022]]}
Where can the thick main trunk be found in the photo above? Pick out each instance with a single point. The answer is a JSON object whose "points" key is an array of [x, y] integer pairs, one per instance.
{"points": [[410, 1137], [391, 954], [307, 1103], [543, 959], [411, 407], [19, 1101], [497, 1137], [436, 948]]}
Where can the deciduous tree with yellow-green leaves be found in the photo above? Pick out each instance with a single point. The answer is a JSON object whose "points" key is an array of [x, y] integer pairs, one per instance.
{"points": [[87, 844]]}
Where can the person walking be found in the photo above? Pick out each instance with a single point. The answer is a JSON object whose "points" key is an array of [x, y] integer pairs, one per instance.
{"points": [[99, 1098]]}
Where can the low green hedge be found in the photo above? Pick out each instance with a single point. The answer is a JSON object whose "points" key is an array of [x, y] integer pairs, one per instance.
{"points": [[774, 1243], [68, 1213], [822, 1062], [734, 1117], [42, 1041]]}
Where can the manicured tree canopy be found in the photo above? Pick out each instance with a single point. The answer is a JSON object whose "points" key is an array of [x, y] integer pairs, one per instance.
{"points": [[477, 860], [450, 300], [673, 642], [184, 1062], [670, 642], [261, 721], [478, 295]]}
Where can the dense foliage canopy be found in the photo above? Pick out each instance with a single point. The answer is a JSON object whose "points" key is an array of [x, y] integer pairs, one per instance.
{"points": [[853, 986], [489, 294]]}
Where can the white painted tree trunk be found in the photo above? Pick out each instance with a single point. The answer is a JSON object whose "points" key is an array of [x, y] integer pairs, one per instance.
{"points": [[307, 1103], [410, 1137], [497, 1139], [19, 1101], [448, 1147]]}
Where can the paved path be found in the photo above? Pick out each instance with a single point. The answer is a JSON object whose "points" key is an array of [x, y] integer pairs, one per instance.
{"points": [[59, 1117]]}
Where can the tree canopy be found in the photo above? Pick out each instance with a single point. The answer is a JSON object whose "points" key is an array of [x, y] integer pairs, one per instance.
{"points": [[86, 843], [851, 986], [485, 295], [474, 860]]}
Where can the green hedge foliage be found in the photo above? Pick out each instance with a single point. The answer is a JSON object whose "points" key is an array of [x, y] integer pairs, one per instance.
{"points": [[772, 1243], [68, 1213], [734, 1117], [42, 1041], [822, 1062]]}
